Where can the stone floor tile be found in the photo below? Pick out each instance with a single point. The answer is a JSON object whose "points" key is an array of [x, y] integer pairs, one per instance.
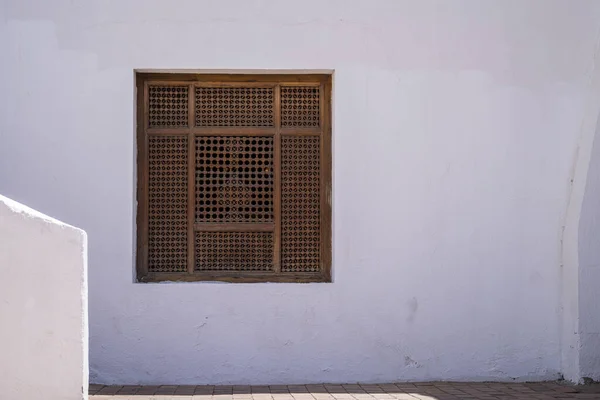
{"points": [[262, 396], [109, 390], [298, 389], [302, 396], [185, 389], [396, 391], [147, 390]]}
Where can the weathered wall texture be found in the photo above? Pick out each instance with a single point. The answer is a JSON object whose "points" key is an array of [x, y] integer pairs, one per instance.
{"points": [[43, 306], [456, 125]]}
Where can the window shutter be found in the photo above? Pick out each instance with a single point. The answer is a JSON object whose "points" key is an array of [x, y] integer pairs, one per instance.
{"points": [[234, 177]]}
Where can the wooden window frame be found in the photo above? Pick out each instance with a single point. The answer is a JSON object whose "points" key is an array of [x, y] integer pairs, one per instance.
{"points": [[324, 82]]}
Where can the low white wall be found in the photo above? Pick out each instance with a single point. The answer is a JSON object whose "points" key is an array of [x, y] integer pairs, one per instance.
{"points": [[456, 125], [43, 306]]}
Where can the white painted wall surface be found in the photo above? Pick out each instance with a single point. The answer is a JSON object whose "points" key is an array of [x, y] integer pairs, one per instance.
{"points": [[456, 125], [580, 254], [43, 306], [589, 268]]}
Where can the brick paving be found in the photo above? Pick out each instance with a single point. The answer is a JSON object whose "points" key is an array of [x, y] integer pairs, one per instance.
{"points": [[398, 391]]}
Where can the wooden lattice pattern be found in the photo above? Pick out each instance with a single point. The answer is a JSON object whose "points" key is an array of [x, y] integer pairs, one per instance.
{"points": [[300, 199], [300, 106], [168, 106], [167, 201], [234, 179], [216, 106], [234, 251]]}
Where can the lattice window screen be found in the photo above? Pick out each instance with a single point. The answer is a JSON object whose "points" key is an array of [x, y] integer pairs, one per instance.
{"points": [[234, 106], [234, 178], [167, 200], [300, 203], [300, 106], [168, 106], [234, 251]]}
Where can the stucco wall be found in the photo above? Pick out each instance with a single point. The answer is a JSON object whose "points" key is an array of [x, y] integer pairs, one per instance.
{"points": [[589, 264], [455, 132], [580, 254], [43, 306]]}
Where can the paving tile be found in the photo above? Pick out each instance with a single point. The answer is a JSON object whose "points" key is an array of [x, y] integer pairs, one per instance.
{"points": [[109, 390], [204, 390], [392, 391], [185, 390], [298, 389], [302, 396], [95, 387]]}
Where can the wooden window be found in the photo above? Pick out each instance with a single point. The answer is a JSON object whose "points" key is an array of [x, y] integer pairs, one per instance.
{"points": [[234, 177]]}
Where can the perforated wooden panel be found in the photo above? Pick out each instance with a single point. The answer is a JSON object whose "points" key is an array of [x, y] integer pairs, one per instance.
{"points": [[234, 106], [167, 201], [300, 204], [234, 179], [234, 251], [300, 106], [168, 106]]}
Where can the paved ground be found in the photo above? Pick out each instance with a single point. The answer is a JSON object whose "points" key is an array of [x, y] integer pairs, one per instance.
{"points": [[398, 391]]}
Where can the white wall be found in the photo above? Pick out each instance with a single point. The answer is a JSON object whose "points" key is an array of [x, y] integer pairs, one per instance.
{"points": [[43, 306], [580, 255], [589, 268], [456, 125]]}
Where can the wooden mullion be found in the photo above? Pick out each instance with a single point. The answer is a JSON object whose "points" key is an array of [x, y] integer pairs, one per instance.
{"points": [[277, 183], [236, 84], [213, 131], [191, 199], [234, 131], [307, 84], [301, 132], [233, 227], [183, 131]]}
